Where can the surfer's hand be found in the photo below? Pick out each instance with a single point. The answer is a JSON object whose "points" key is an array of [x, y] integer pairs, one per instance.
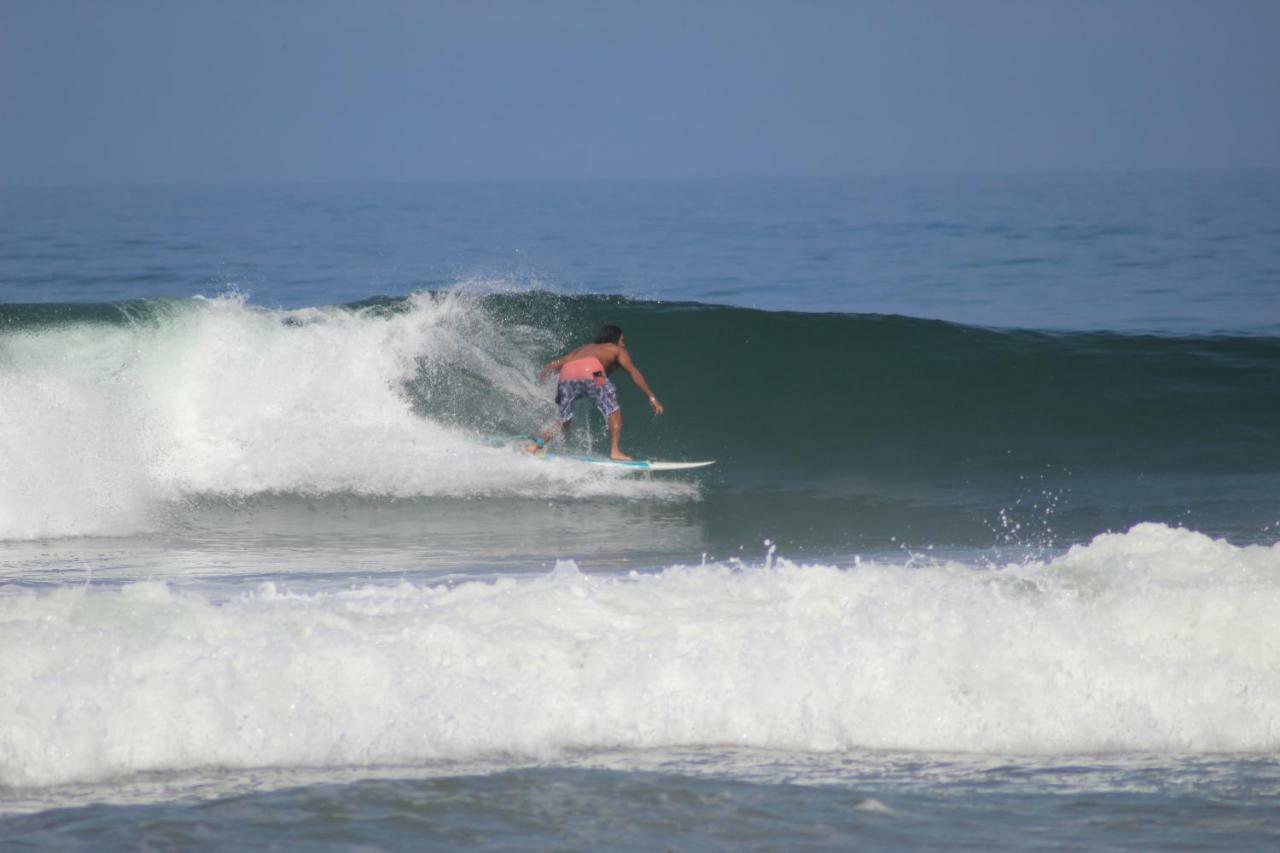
{"points": [[657, 407]]}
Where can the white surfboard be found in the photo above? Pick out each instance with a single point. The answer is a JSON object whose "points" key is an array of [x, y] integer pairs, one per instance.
{"points": [[630, 465], [633, 464]]}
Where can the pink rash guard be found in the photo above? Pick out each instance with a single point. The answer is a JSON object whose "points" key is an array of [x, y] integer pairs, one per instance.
{"points": [[582, 369]]}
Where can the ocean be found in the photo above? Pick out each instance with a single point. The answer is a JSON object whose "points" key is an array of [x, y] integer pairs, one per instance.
{"points": [[990, 554]]}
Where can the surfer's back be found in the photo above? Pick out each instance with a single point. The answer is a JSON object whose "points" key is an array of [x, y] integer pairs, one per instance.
{"points": [[608, 354]]}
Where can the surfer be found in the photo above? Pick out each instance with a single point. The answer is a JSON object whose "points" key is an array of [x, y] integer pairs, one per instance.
{"points": [[585, 373]]}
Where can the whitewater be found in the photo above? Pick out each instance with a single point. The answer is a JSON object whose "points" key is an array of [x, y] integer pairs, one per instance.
{"points": [[110, 422], [1155, 640]]}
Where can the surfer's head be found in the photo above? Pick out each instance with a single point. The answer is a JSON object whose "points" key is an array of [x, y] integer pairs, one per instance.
{"points": [[609, 334]]}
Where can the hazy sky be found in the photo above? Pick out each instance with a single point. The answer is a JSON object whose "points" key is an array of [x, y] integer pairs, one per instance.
{"points": [[160, 91]]}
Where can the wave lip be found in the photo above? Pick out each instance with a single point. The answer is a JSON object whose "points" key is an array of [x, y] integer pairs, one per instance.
{"points": [[1155, 640]]}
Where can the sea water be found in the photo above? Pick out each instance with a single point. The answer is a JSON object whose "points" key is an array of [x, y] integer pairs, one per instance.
{"points": [[989, 555]]}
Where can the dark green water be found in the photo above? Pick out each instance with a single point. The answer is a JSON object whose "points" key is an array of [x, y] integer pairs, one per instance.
{"points": [[856, 429]]}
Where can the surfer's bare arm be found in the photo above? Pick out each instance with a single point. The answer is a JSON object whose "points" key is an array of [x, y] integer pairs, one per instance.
{"points": [[625, 362]]}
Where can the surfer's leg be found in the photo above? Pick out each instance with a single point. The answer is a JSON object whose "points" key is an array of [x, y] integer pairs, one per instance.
{"points": [[548, 435], [615, 436], [566, 394], [540, 443], [606, 397]]}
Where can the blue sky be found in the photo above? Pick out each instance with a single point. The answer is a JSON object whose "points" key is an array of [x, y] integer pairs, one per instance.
{"points": [[176, 91]]}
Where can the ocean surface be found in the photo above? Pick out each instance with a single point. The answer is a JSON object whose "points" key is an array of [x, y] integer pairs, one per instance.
{"points": [[990, 555]]}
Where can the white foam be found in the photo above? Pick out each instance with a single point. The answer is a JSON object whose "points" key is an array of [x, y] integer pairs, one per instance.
{"points": [[101, 424], [1156, 640]]}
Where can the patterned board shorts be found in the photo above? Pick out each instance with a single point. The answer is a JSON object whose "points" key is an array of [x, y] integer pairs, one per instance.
{"points": [[568, 392]]}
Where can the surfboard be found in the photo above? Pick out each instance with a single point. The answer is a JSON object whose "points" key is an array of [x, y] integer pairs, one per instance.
{"points": [[604, 461], [633, 464]]}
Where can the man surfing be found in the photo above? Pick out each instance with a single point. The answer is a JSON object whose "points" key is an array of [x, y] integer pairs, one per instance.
{"points": [[585, 373]]}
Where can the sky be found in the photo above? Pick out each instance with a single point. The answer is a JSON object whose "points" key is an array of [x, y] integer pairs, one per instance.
{"points": [[132, 91]]}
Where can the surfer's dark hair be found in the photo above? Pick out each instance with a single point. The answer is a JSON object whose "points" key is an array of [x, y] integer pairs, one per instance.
{"points": [[609, 334]]}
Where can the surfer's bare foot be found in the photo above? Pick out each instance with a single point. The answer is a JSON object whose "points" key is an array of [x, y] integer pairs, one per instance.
{"points": [[533, 448], [619, 456]]}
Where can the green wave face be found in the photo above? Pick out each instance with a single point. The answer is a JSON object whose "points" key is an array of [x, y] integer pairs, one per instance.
{"points": [[793, 397], [934, 431]]}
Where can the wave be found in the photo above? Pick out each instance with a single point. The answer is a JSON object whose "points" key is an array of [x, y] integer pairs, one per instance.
{"points": [[1155, 640], [114, 410]]}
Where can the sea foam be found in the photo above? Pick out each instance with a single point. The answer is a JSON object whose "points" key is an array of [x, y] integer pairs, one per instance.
{"points": [[104, 423], [1157, 640]]}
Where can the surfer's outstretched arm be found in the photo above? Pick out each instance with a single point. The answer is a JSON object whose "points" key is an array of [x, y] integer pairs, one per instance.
{"points": [[625, 362]]}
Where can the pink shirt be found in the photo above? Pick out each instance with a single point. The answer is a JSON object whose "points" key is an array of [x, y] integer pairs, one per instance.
{"points": [[581, 368]]}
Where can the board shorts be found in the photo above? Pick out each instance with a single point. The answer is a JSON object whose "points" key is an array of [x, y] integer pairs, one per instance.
{"points": [[601, 390]]}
